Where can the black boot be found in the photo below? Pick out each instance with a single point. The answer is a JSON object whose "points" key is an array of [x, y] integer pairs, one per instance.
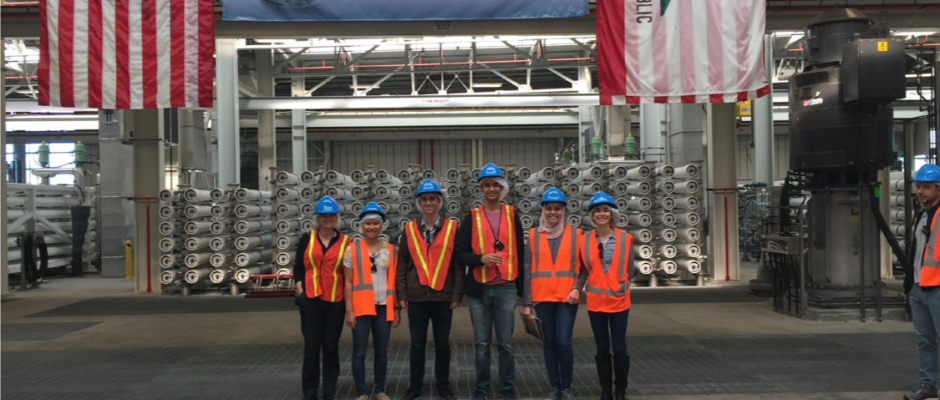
{"points": [[621, 371], [604, 376]]}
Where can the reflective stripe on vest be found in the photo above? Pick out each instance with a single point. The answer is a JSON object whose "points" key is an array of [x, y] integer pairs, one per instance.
{"points": [[314, 268], [591, 240], [930, 269], [439, 254], [553, 280], [363, 291], [482, 246]]}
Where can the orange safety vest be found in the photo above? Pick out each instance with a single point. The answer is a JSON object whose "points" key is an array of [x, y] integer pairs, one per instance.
{"points": [[432, 263], [482, 243], [362, 291], [930, 269], [324, 274], [608, 292], [553, 281]]}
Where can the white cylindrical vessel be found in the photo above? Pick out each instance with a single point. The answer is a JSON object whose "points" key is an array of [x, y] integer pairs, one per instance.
{"points": [[668, 251], [244, 227], [687, 171], [668, 267], [688, 234], [220, 276], [641, 172], [288, 194], [197, 227], [251, 210], [641, 188], [286, 178], [690, 265], [246, 259], [642, 219], [686, 188], [196, 243], [218, 260], [219, 227], [642, 235], [168, 260], [248, 242], [284, 259], [166, 245], [644, 267], [197, 195], [251, 195], [688, 218], [169, 276], [639, 204], [288, 210], [286, 242], [689, 250], [168, 228], [643, 251], [218, 243], [668, 235], [194, 260], [667, 187], [198, 211], [666, 171], [690, 203], [196, 275], [668, 219]]}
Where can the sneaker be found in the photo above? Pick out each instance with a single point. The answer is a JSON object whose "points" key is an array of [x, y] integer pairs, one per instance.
{"points": [[923, 394], [479, 395], [554, 394], [411, 394], [382, 396], [446, 394], [509, 394], [566, 395]]}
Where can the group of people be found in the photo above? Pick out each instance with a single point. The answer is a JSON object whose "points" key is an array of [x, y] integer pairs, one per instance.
{"points": [[485, 257]]}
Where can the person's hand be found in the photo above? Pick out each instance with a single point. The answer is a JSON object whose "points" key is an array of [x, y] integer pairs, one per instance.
{"points": [[397, 319], [574, 297], [454, 305], [351, 320], [403, 304], [299, 288], [491, 259], [527, 313]]}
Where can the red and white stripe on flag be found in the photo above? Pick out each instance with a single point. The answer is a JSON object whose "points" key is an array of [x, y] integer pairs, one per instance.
{"points": [[680, 51], [126, 54]]}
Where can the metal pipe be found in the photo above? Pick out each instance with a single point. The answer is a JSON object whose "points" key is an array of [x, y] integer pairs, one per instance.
{"points": [[245, 259], [286, 178], [196, 243], [248, 242], [197, 227], [196, 275], [243, 194], [197, 195], [251, 210], [43, 201], [193, 260]]}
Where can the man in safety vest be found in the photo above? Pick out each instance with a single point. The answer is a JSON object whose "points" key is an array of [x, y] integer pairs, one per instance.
{"points": [[490, 244], [429, 286], [921, 282]]}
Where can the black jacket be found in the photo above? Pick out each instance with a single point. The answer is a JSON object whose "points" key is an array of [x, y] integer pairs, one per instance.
{"points": [[463, 252], [913, 246], [409, 287]]}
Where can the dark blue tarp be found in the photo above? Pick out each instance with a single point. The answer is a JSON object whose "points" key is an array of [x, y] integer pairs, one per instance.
{"points": [[391, 10]]}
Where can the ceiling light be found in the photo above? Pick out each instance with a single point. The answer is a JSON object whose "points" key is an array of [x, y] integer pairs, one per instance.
{"points": [[487, 84], [914, 33]]}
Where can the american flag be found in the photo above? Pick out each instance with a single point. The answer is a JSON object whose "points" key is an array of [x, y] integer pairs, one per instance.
{"points": [[126, 54], [680, 51]]}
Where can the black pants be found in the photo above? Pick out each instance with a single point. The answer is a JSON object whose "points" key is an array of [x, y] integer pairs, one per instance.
{"points": [[440, 314], [321, 323]]}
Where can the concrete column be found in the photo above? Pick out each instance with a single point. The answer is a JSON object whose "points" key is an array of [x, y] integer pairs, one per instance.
{"points": [[116, 221], [685, 133], [618, 122], [267, 141], [762, 123], [651, 132], [722, 211], [4, 261], [298, 130], [226, 104], [149, 180]]}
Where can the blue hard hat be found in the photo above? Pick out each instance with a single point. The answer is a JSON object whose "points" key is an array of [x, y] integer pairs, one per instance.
{"points": [[554, 195], [326, 205], [372, 208], [490, 171], [428, 186], [928, 173], [601, 198]]}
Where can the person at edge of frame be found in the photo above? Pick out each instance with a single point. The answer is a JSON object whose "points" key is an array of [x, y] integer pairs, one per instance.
{"points": [[430, 287], [553, 282], [921, 282], [319, 279], [490, 245]]}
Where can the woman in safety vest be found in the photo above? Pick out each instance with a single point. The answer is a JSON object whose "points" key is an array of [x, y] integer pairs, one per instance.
{"points": [[370, 299], [551, 277], [319, 296], [607, 255]]}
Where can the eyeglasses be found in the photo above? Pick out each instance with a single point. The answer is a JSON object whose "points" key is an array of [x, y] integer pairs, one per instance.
{"points": [[600, 249], [372, 261]]}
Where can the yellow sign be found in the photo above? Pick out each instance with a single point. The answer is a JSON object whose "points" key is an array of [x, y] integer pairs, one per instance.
{"points": [[882, 46], [744, 109]]}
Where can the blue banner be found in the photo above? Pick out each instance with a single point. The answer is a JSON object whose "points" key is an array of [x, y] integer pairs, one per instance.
{"points": [[391, 10]]}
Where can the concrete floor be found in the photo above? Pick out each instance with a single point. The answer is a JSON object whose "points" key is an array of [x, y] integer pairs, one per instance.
{"points": [[153, 332]]}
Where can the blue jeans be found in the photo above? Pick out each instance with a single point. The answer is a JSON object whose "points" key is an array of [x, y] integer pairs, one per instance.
{"points": [[610, 329], [381, 330], [496, 307], [925, 308], [558, 325]]}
